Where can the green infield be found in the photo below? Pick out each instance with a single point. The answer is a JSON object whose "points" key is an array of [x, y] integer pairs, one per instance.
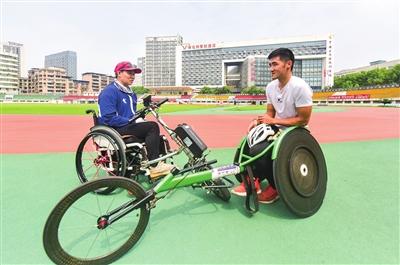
{"points": [[79, 109], [357, 224], [190, 109]]}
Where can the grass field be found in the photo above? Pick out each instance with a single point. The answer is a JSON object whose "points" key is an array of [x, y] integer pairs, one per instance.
{"points": [[79, 109]]}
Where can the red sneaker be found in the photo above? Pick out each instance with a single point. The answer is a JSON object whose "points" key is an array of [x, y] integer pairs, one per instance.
{"points": [[241, 189], [269, 195]]}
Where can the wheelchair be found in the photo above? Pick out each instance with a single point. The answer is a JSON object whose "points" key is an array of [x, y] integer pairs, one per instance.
{"points": [[103, 152]]}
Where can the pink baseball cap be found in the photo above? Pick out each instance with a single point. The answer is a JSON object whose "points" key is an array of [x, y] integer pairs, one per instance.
{"points": [[127, 66]]}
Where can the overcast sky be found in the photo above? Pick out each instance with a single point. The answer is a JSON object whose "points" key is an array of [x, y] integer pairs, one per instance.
{"points": [[106, 32]]}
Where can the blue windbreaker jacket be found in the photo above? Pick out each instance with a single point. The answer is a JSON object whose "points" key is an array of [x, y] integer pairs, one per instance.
{"points": [[116, 107]]}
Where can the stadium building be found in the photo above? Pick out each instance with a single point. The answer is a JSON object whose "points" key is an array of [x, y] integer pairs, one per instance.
{"points": [[244, 64]]}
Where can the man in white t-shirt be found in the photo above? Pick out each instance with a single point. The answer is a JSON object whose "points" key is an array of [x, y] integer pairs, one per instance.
{"points": [[289, 102]]}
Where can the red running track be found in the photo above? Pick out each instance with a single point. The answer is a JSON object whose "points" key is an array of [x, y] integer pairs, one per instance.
{"points": [[44, 134]]}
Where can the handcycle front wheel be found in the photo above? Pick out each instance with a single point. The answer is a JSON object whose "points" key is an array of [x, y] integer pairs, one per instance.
{"points": [[99, 155], [74, 232], [221, 192]]}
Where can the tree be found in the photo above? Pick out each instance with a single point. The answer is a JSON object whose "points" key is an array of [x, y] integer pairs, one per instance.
{"points": [[207, 90], [223, 90], [253, 90], [379, 76], [140, 90]]}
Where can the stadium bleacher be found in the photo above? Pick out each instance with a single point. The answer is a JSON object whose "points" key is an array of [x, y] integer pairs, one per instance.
{"points": [[31, 98], [79, 99], [365, 95]]}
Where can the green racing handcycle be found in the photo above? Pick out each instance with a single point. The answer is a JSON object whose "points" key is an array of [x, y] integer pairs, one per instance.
{"points": [[102, 219]]}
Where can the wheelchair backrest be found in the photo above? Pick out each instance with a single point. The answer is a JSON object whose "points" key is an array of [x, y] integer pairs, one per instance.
{"points": [[94, 115]]}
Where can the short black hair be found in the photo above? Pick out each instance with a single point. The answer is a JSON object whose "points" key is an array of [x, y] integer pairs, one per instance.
{"points": [[284, 54]]}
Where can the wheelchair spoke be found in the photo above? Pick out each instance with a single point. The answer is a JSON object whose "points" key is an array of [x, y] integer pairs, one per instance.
{"points": [[86, 169], [94, 241], [98, 204], [119, 232], [96, 175], [77, 227], [108, 239], [88, 213], [109, 207]]}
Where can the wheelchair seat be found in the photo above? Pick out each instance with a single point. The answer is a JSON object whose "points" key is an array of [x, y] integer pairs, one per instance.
{"points": [[128, 139]]}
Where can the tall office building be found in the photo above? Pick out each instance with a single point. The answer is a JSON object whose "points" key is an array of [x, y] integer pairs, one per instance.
{"points": [[11, 67], [66, 60], [161, 60], [242, 64]]}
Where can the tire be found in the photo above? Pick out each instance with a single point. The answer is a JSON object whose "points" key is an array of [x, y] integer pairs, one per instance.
{"points": [[300, 173], [77, 214], [222, 193], [99, 155]]}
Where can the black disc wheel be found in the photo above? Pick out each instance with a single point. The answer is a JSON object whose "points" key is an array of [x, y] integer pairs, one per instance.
{"points": [[300, 173], [77, 232], [99, 155]]}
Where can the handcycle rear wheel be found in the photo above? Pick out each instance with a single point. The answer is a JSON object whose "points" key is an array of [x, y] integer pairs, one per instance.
{"points": [[71, 234], [99, 156]]}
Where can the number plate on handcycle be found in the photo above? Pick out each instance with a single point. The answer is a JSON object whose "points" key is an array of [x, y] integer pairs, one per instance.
{"points": [[223, 171]]}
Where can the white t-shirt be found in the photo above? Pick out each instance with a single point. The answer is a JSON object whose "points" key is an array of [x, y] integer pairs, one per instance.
{"points": [[296, 93]]}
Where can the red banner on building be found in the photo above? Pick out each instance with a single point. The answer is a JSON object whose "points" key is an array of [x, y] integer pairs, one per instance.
{"points": [[360, 96]]}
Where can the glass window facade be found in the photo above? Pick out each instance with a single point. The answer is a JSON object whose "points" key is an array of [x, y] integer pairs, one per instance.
{"points": [[206, 66], [66, 60]]}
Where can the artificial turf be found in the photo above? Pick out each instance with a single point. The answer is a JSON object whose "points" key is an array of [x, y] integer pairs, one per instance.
{"points": [[357, 224]]}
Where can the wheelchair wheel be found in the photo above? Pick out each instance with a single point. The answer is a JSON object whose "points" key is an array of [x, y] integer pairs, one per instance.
{"points": [[74, 232], [300, 173], [99, 155]]}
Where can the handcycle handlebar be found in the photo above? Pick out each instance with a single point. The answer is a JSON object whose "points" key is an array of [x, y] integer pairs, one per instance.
{"points": [[162, 102], [90, 111], [143, 112]]}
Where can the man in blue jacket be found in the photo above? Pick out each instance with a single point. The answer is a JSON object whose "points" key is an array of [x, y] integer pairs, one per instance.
{"points": [[117, 105]]}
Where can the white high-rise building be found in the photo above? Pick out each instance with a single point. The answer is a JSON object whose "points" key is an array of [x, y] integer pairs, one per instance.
{"points": [[161, 60], [11, 67]]}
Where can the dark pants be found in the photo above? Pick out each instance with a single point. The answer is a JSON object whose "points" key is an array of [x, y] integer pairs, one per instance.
{"points": [[262, 167], [149, 132]]}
